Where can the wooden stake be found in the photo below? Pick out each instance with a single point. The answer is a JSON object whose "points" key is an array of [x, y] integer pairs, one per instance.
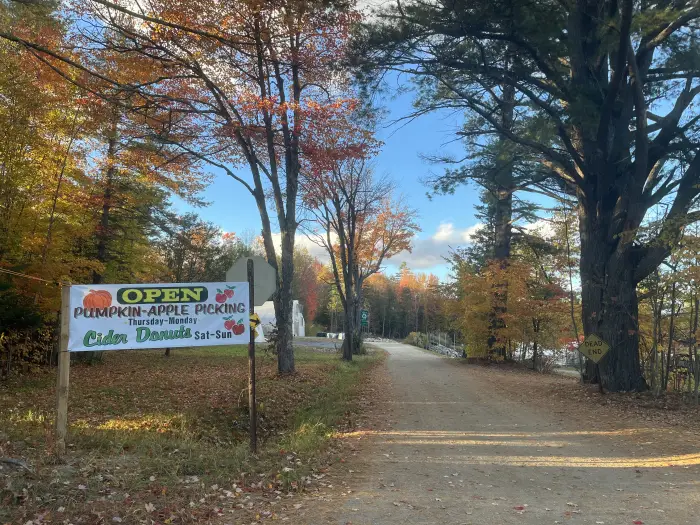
{"points": [[62, 381], [252, 409]]}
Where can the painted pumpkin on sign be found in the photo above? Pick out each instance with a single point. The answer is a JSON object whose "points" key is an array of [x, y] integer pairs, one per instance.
{"points": [[97, 299]]}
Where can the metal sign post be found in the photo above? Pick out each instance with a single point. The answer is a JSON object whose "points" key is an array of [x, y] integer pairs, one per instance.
{"points": [[252, 412], [262, 283]]}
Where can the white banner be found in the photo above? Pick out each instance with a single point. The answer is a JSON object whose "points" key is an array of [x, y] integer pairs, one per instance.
{"points": [[134, 316]]}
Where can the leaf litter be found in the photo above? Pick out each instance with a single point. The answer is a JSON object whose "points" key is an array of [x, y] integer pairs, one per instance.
{"points": [[168, 450]]}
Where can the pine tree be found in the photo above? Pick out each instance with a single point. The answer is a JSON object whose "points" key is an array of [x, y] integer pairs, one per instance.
{"points": [[604, 93]]}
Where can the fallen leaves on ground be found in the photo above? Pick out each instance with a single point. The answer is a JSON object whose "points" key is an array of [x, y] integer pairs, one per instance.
{"points": [[667, 416], [161, 440]]}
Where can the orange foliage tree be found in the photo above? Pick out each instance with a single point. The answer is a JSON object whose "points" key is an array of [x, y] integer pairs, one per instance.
{"points": [[243, 84], [83, 188], [360, 225], [307, 281]]}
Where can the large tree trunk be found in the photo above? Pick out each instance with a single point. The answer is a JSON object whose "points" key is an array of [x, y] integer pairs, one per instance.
{"points": [[503, 218], [499, 296], [283, 307], [349, 325], [503, 188], [357, 338], [610, 307], [282, 299]]}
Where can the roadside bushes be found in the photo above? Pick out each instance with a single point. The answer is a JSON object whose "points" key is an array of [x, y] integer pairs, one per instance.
{"points": [[416, 339]]}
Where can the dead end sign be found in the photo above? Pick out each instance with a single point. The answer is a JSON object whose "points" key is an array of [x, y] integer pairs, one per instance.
{"points": [[594, 348]]}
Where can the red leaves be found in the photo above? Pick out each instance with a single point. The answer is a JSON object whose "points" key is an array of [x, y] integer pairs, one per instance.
{"points": [[638, 522]]}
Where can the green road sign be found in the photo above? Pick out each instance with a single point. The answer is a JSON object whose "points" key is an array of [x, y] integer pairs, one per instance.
{"points": [[364, 317]]}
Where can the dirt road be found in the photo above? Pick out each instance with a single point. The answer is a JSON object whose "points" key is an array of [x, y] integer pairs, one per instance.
{"points": [[458, 453]]}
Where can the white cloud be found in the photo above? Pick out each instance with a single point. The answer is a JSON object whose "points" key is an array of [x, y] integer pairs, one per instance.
{"points": [[444, 232], [447, 233], [429, 252], [302, 241], [541, 227]]}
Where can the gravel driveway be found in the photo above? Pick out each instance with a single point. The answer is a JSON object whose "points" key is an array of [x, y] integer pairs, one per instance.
{"points": [[457, 453]]}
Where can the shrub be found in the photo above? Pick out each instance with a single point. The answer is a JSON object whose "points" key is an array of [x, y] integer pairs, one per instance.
{"points": [[416, 339]]}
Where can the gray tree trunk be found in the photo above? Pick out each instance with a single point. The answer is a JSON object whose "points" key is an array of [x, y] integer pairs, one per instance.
{"points": [[610, 307], [283, 307]]}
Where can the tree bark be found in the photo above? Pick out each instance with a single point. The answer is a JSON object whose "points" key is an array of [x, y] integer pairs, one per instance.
{"points": [[349, 326], [610, 306], [503, 189], [283, 307], [103, 233]]}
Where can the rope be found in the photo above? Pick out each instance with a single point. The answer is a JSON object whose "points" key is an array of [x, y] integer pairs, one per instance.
{"points": [[18, 274]]}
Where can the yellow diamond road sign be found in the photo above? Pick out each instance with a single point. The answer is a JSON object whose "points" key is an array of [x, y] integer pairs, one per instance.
{"points": [[594, 348], [254, 322]]}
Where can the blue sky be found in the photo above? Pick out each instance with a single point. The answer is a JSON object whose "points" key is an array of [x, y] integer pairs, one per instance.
{"points": [[445, 220]]}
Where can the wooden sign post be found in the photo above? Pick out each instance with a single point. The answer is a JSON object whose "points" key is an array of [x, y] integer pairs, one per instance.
{"points": [[126, 317], [63, 374], [252, 411]]}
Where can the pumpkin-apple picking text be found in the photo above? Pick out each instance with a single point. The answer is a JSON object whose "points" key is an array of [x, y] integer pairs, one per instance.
{"points": [[153, 316]]}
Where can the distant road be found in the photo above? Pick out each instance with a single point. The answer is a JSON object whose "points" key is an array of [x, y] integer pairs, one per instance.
{"points": [[318, 342]]}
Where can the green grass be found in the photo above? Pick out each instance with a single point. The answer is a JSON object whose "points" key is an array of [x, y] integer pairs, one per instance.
{"points": [[313, 423]]}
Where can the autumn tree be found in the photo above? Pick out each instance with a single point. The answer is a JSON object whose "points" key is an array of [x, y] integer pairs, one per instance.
{"points": [[243, 84], [669, 320], [408, 301], [380, 299], [194, 250], [605, 92], [307, 282], [536, 313], [69, 209], [360, 225]]}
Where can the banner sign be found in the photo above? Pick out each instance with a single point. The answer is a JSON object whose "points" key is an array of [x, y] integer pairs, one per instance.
{"points": [[135, 316]]}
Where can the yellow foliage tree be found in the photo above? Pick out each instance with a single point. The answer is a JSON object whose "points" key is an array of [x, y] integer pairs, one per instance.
{"points": [[536, 314]]}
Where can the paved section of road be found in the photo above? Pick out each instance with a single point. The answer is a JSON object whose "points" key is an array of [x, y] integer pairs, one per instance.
{"points": [[457, 454], [319, 343]]}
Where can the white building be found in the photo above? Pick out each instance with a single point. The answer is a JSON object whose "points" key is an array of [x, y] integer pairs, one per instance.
{"points": [[268, 320]]}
